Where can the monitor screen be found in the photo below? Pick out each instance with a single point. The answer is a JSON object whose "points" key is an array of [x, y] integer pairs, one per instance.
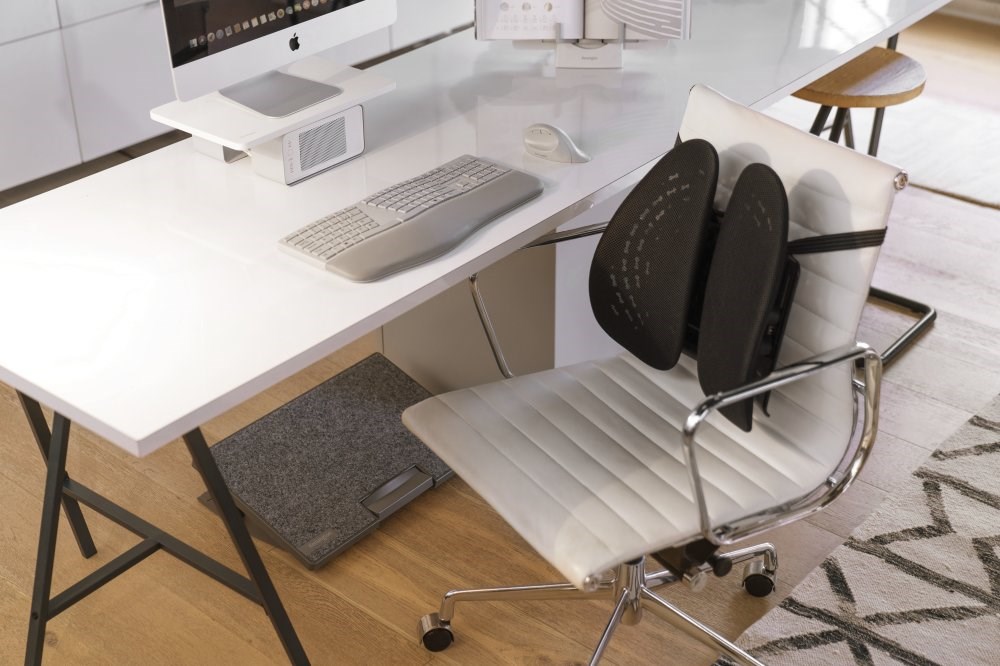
{"points": [[199, 28], [215, 44]]}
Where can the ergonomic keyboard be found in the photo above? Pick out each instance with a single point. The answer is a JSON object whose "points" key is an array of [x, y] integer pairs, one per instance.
{"points": [[412, 221]]}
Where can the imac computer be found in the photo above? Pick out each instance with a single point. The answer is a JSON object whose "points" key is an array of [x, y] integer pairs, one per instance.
{"points": [[249, 80], [238, 47]]}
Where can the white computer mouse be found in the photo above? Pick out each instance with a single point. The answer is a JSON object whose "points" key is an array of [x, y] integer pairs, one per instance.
{"points": [[551, 143]]}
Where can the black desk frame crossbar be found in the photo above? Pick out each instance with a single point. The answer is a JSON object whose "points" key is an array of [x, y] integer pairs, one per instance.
{"points": [[63, 493]]}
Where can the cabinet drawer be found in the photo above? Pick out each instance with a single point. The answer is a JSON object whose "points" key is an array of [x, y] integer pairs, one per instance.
{"points": [[119, 69], [36, 112]]}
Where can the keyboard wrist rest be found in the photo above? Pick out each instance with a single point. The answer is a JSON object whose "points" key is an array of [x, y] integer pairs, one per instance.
{"points": [[434, 232]]}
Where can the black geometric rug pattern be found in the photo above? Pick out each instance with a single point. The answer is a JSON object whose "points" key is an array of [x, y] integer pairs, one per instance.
{"points": [[918, 583]]}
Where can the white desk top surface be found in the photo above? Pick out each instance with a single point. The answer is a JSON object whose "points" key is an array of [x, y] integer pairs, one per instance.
{"points": [[148, 298]]}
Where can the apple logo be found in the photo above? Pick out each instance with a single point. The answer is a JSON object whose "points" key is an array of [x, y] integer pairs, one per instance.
{"points": [[293, 43]]}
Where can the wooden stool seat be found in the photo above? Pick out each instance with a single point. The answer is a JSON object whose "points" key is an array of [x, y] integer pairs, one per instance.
{"points": [[876, 79]]}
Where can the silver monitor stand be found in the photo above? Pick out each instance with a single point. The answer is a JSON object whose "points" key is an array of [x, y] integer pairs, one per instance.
{"points": [[277, 95]]}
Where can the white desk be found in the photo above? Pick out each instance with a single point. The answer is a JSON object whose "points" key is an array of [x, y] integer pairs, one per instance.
{"points": [[153, 297]]}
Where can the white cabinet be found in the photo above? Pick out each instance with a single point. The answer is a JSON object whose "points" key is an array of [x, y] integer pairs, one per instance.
{"points": [[37, 132], [20, 19], [420, 19], [119, 69], [111, 56], [72, 12]]}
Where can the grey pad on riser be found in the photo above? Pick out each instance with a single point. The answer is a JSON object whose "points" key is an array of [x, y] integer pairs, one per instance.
{"points": [[303, 473]]}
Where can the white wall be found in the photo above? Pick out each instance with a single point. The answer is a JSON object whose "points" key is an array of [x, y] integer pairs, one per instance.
{"points": [[80, 76], [418, 20], [24, 19]]}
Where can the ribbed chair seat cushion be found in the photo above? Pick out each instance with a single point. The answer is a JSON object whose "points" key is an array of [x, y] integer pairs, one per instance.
{"points": [[586, 462]]}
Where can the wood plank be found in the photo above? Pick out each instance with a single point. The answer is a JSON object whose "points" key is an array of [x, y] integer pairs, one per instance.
{"points": [[915, 418], [108, 619], [844, 515], [916, 210], [961, 58], [935, 366], [110, 472], [951, 336]]}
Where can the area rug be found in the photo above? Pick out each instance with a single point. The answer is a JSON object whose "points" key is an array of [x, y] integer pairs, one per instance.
{"points": [[945, 146], [917, 583]]}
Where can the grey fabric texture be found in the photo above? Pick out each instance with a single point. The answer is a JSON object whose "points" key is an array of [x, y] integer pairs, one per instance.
{"points": [[917, 583], [305, 467]]}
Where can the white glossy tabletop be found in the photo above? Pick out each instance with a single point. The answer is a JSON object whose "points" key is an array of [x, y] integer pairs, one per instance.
{"points": [[148, 298]]}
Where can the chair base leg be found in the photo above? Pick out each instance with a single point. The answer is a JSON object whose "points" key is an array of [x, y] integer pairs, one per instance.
{"points": [[692, 627], [925, 314], [631, 587]]}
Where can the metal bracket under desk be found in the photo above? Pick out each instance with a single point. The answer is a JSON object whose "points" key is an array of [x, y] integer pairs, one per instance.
{"points": [[62, 492]]}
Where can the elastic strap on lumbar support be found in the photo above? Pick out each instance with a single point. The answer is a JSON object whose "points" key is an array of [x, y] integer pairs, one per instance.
{"points": [[851, 240]]}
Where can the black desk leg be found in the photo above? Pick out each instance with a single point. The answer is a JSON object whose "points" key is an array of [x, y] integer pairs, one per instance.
{"points": [[233, 519], [40, 429], [55, 477]]}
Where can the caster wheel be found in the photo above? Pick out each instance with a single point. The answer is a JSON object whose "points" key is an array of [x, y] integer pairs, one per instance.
{"points": [[758, 585], [435, 635], [757, 581]]}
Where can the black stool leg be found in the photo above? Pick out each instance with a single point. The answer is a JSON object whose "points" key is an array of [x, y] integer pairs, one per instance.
{"points": [[841, 123], [820, 122], [40, 429], [838, 125], [55, 477], [876, 132], [233, 520]]}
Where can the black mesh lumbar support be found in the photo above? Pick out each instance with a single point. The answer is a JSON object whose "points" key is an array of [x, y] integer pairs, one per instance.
{"points": [[749, 288], [644, 270]]}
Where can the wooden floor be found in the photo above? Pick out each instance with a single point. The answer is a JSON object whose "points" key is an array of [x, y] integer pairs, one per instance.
{"points": [[363, 608]]}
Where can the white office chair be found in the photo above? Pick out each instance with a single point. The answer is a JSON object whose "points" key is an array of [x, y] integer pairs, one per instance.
{"points": [[601, 463]]}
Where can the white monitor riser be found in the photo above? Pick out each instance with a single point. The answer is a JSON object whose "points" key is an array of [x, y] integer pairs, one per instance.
{"points": [[227, 131]]}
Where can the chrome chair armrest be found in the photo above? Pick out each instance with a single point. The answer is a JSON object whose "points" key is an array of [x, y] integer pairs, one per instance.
{"points": [[477, 296], [836, 483]]}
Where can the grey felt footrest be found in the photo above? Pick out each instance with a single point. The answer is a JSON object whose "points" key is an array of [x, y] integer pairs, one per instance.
{"points": [[322, 471]]}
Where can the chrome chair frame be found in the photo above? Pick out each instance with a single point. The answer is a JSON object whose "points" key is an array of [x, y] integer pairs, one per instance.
{"points": [[631, 585]]}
